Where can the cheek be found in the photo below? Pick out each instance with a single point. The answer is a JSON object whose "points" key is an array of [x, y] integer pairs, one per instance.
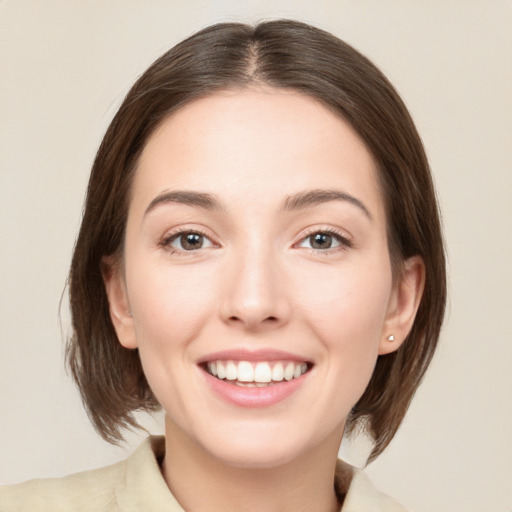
{"points": [[347, 309], [170, 305]]}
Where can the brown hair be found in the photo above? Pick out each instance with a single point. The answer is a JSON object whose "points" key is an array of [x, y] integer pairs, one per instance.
{"points": [[281, 54]]}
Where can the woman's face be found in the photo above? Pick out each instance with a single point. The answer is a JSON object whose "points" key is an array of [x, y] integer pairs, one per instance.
{"points": [[256, 250]]}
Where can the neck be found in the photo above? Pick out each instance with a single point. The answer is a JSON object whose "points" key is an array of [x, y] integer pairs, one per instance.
{"points": [[202, 482]]}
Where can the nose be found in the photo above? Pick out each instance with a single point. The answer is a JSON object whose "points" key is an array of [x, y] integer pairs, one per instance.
{"points": [[255, 295]]}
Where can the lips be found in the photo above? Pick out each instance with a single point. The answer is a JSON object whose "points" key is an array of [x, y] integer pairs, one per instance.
{"points": [[255, 378]]}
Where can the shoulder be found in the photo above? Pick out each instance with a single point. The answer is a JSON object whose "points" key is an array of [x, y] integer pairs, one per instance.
{"points": [[128, 486], [89, 490], [363, 496]]}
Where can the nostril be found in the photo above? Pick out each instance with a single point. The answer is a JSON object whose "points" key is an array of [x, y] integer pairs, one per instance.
{"points": [[269, 319]]}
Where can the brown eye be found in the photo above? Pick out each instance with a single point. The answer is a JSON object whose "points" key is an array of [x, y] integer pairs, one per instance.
{"points": [[189, 241], [323, 240]]}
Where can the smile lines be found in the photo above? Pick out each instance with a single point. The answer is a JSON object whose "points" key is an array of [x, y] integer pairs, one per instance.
{"points": [[262, 374]]}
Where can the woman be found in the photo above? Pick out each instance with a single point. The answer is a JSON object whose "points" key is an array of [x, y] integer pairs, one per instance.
{"points": [[261, 256]]}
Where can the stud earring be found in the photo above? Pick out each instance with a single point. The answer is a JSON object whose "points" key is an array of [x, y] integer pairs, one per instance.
{"points": [[391, 338]]}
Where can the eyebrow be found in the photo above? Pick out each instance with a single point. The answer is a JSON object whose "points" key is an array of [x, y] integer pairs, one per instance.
{"points": [[311, 198], [299, 201], [200, 199]]}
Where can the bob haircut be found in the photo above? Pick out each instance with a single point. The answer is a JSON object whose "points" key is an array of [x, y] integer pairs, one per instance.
{"points": [[281, 54]]}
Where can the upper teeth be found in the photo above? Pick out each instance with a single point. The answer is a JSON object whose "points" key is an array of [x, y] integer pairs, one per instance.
{"points": [[244, 371]]}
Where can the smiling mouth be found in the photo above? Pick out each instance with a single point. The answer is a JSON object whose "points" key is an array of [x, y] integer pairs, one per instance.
{"points": [[252, 374]]}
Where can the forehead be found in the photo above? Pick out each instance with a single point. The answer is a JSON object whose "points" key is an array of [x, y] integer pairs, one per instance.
{"points": [[246, 142]]}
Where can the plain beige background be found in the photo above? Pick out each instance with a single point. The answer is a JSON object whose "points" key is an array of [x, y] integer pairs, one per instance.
{"points": [[64, 68]]}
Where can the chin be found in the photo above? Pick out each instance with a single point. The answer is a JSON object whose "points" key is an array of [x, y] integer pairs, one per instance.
{"points": [[257, 448], [256, 457]]}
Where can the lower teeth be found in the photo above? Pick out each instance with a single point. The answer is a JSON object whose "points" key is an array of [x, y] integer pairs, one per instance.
{"points": [[250, 384]]}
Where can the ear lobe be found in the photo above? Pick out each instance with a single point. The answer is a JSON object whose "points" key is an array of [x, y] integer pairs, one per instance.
{"points": [[119, 306], [403, 305]]}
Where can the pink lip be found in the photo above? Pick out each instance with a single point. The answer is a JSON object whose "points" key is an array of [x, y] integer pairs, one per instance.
{"points": [[252, 355], [254, 397]]}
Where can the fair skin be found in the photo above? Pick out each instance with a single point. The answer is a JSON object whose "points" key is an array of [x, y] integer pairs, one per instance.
{"points": [[274, 252]]}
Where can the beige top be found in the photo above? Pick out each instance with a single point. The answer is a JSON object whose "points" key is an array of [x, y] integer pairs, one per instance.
{"points": [[136, 484]]}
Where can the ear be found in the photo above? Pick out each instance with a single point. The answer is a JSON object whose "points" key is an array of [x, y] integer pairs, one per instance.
{"points": [[119, 306], [403, 305]]}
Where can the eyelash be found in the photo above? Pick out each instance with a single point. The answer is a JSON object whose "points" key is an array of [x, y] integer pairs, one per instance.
{"points": [[344, 242]]}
